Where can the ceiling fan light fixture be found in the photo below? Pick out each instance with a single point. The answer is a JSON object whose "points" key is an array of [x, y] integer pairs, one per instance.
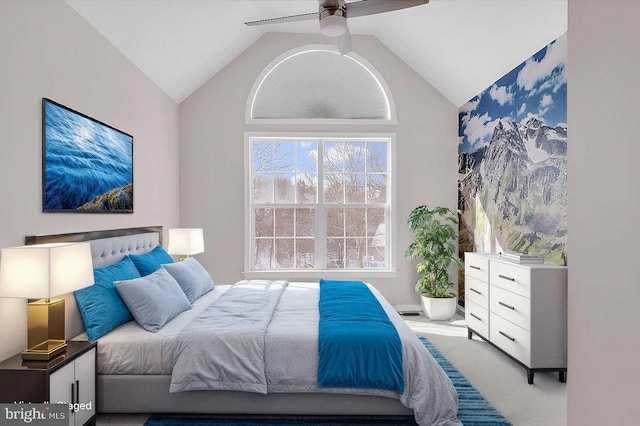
{"points": [[333, 25]]}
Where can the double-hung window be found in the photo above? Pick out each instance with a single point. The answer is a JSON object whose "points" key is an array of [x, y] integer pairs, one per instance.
{"points": [[319, 203]]}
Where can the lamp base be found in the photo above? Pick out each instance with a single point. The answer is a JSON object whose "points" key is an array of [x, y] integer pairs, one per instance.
{"points": [[45, 329], [45, 350]]}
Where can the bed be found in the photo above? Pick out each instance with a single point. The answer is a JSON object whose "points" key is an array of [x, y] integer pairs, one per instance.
{"points": [[135, 366]]}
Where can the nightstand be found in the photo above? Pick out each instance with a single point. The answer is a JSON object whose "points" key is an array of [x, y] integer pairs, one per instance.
{"points": [[69, 377]]}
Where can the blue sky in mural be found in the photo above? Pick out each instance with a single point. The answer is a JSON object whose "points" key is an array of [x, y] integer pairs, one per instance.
{"points": [[535, 88]]}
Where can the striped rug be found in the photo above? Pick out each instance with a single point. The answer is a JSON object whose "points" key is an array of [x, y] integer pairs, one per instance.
{"points": [[473, 410]]}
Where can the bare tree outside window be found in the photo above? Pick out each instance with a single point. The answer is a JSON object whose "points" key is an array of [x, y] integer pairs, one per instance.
{"points": [[350, 203]]}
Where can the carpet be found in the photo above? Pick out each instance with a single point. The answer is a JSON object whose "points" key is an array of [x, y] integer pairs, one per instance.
{"points": [[473, 410]]}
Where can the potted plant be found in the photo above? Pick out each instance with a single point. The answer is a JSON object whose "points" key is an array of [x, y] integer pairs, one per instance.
{"points": [[435, 232]]}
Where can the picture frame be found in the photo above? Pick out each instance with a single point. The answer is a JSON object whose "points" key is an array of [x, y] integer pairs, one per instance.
{"points": [[87, 165]]}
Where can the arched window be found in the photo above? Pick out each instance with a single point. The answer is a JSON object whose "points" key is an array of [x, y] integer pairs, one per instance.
{"points": [[316, 82]]}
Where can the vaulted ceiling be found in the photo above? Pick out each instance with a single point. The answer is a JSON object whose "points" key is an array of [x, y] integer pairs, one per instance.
{"points": [[459, 46]]}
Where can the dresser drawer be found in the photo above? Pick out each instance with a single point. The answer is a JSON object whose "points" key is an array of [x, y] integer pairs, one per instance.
{"points": [[476, 266], [510, 338], [476, 291], [511, 306], [511, 277], [477, 318]]}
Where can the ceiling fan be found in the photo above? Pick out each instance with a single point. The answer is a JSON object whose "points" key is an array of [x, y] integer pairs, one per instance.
{"points": [[333, 14]]}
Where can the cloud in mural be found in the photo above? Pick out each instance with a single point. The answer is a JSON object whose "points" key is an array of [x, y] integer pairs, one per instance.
{"points": [[522, 109], [535, 71], [501, 94], [545, 103], [478, 128]]}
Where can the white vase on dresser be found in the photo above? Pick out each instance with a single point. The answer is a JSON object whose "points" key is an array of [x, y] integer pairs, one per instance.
{"points": [[520, 308]]}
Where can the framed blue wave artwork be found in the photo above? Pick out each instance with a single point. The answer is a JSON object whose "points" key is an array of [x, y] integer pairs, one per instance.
{"points": [[87, 165]]}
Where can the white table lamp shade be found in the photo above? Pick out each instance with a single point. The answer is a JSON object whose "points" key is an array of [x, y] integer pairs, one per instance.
{"points": [[186, 241], [44, 271]]}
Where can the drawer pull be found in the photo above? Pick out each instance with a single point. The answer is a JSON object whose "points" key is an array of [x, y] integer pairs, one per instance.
{"points": [[474, 267], [73, 393], [507, 306], [474, 290], [506, 278], [475, 316], [507, 336], [77, 393]]}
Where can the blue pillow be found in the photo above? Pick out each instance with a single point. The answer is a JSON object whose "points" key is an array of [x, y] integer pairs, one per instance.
{"points": [[191, 276], [100, 306], [153, 299], [150, 262]]}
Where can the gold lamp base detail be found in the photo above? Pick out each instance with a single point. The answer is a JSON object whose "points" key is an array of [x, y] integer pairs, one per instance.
{"points": [[45, 329], [45, 350]]}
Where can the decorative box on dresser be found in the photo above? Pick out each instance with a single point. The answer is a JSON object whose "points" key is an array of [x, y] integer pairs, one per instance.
{"points": [[70, 378], [520, 308]]}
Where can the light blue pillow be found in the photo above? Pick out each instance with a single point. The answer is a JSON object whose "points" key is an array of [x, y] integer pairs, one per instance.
{"points": [[191, 276], [154, 299], [150, 262], [100, 306]]}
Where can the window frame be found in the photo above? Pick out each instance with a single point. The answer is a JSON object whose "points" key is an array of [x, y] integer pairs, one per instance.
{"points": [[249, 231]]}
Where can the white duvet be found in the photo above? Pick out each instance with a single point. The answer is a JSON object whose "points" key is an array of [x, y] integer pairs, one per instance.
{"points": [[290, 354]]}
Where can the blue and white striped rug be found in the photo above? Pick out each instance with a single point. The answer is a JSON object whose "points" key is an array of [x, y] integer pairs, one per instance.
{"points": [[473, 410]]}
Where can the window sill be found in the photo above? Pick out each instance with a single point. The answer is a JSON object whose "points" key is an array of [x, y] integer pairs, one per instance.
{"points": [[289, 274]]}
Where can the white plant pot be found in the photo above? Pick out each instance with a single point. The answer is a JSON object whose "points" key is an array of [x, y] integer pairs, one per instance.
{"points": [[439, 309]]}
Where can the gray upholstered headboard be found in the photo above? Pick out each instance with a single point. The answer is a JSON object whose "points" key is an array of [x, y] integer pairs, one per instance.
{"points": [[107, 247]]}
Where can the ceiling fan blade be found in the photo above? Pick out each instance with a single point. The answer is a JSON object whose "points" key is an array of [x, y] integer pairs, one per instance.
{"points": [[343, 42], [371, 7], [290, 18]]}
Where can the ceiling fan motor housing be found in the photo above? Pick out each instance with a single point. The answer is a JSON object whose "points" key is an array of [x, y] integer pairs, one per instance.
{"points": [[333, 21]]}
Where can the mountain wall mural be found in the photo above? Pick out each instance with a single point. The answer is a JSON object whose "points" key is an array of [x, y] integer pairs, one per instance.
{"points": [[512, 161]]}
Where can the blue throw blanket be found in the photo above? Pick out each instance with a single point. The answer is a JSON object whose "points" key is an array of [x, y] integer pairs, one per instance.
{"points": [[358, 345]]}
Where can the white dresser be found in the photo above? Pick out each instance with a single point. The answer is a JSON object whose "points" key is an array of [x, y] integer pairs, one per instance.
{"points": [[519, 308]]}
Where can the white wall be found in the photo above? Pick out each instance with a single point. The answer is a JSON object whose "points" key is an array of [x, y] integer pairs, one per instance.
{"points": [[604, 201], [48, 50], [212, 126]]}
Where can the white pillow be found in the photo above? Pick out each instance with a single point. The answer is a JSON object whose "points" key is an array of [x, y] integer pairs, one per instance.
{"points": [[191, 276], [153, 300]]}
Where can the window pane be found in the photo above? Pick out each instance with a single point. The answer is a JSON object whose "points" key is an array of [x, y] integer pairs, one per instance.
{"points": [[305, 253], [263, 254], [305, 222], [333, 188], [284, 223], [263, 188], [376, 156], [284, 188], [284, 253], [306, 188], [355, 222], [376, 188], [354, 188], [307, 156], [283, 160], [264, 222], [332, 160], [261, 156], [335, 222], [335, 253], [356, 252], [375, 253], [375, 222], [354, 156]]}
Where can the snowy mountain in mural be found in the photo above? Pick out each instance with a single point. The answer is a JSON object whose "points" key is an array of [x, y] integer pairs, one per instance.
{"points": [[512, 161]]}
